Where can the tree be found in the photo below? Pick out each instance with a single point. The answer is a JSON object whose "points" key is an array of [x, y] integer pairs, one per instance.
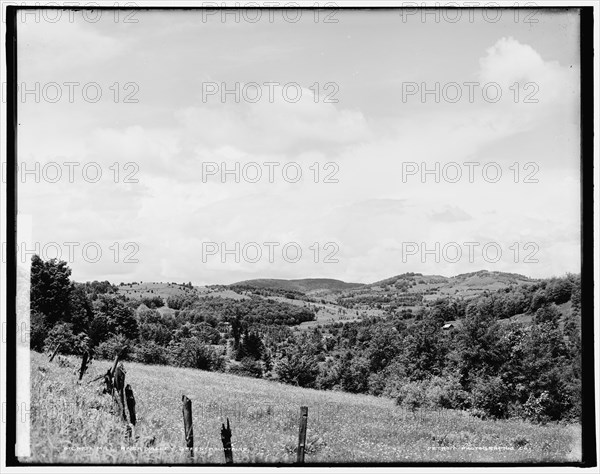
{"points": [[38, 331], [190, 352], [119, 315], [297, 369], [538, 300], [98, 330], [50, 289], [478, 351], [70, 343], [175, 302], [250, 346], [80, 309], [558, 290], [549, 371], [354, 374], [383, 347], [547, 313], [153, 302], [423, 352]]}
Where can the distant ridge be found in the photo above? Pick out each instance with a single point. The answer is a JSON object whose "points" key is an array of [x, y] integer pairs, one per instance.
{"points": [[304, 285], [481, 275]]}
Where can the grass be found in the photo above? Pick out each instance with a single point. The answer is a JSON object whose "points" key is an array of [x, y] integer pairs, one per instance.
{"points": [[74, 422], [150, 289]]}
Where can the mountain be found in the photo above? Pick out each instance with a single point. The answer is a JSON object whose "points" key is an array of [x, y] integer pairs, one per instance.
{"points": [[430, 287], [304, 285]]}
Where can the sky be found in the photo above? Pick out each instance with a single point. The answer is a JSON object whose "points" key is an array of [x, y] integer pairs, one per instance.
{"points": [[334, 109]]}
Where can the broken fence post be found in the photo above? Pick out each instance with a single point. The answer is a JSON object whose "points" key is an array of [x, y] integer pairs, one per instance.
{"points": [[119, 386], [302, 434], [108, 381], [55, 352], [226, 439], [117, 358], [130, 404], [188, 428], [84, 363]]}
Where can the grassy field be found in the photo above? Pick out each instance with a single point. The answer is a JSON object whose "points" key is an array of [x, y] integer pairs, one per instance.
{"points": [[150, 289], [74, 422]]}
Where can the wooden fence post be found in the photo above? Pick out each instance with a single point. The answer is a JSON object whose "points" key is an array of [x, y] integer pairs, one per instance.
{"points": [[188, 428], [55, 352], [108, 382], [84, 362], [226, 439], [130, 404], [117, 358], [119, 386], [302, 434]]}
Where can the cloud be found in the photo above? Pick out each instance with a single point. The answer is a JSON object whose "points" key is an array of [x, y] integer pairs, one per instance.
{"points": [[68, 49], [450, 214], [370, 212], [508, 62], [282, 126]]}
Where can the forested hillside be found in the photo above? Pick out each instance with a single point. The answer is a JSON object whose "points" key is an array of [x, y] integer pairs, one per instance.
{"points": [[512, 351]]}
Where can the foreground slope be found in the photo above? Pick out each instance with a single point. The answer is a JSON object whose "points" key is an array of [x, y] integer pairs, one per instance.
{"points": [[74, 422]]}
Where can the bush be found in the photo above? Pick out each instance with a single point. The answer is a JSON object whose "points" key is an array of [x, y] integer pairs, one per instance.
{"points": [[355, 375], [297, 369], [437, 392], [175, 302], [149, 352], [247, 367], [377, 382], [112, 346], [191, 352], [491, 397], [558, 290], [329, 376], [536, 408], [70, 343], [446, 392], [153, 302], [411, 395], [547, 313]]}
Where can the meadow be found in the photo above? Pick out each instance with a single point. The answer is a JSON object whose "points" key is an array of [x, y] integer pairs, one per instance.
{"points": [[73, 422]]}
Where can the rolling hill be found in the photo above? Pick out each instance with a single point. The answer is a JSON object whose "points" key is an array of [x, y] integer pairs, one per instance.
{"points": [[305, 285]]}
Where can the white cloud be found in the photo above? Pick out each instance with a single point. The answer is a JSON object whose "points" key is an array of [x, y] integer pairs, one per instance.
{"points": [[280, 126], [57, 51], [508, 62]]}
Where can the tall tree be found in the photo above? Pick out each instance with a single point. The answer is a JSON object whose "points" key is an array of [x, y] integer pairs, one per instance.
{"points": [[50, 289]]}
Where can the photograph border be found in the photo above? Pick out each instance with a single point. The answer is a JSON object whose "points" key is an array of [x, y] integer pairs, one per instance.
{"points": [[588, 421]]}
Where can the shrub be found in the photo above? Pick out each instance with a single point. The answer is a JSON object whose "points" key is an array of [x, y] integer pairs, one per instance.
{"points": [[149, 352], [329, 377], [153, 302], [70, 343], [491, 397], [446, 392], [558, 290], [112, 346], [191, 352], [377, 382], [297, 369], [247, 367], [411, 395], [355, 375], [550, 405]]}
